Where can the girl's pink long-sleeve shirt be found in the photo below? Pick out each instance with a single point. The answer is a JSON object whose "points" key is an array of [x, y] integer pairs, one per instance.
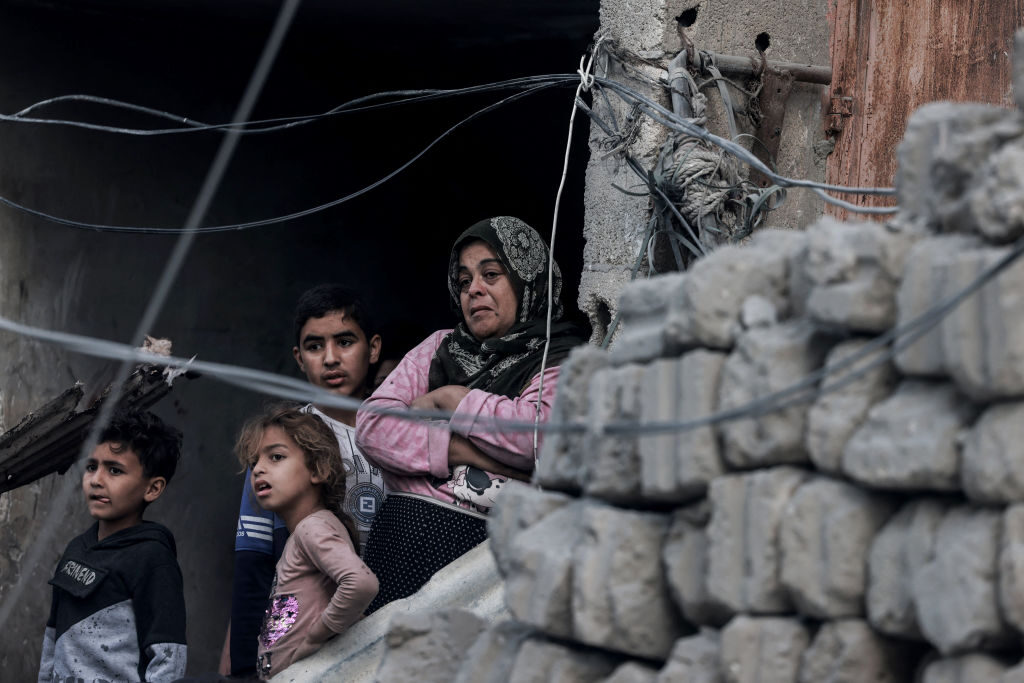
{"points": [[414, 454]]}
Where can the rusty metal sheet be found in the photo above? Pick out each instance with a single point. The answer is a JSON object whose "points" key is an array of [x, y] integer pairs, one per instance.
{"points": [[891, 56]]}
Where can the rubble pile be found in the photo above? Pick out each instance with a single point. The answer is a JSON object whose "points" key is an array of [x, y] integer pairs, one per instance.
{"points": [[872, 533]]}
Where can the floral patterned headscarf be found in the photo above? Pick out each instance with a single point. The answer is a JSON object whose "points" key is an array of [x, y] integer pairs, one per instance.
{"points": [[504, 365]]}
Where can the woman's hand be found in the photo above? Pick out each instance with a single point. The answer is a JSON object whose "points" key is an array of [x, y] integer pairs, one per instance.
{"points": [[446, 398], [461, 451], [316, 637]]}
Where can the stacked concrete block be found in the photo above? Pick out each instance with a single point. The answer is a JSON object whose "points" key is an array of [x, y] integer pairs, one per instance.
{"points": [[561, 453], [854, 271], [904, 545], [534, 534], [992, 470], [633, 672], [909, 440], [707, 309], [762, 650], [995, 204], [611, 470], [492, 655], [956, 592], [540, 661], [677, 466], [766, 361], [613, 572], [944, 145], [849, 651], [1011, 567], [744, 559], [694, 659], [685, 556], [825, 535], [971, 668], [643, 312], [841, 409]]}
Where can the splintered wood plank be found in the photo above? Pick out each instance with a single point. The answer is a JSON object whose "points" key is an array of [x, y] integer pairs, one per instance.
{"points": [[892, 56]]}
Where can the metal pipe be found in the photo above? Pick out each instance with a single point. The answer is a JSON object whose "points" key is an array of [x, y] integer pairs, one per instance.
{"points": [[750, 66]]}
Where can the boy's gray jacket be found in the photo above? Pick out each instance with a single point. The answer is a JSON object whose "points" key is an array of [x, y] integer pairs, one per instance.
{"points": [[118, 610]]}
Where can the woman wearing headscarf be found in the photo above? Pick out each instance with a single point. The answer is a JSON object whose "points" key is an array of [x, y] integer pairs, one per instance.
{"points": [[445, 476]]}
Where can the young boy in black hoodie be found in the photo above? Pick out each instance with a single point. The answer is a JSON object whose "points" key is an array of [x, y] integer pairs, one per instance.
{"points": [[118, 610]]}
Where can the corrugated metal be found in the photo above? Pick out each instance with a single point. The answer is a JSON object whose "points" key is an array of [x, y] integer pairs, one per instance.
{"points": [[892, 56]]}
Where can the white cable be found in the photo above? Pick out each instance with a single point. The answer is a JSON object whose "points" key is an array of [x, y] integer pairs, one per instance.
{"points": [[586, 82]]}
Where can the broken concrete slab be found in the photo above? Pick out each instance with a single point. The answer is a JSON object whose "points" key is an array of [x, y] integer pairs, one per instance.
{"points": [[643, 312], [429, 646], [908, 441], [678, 466], [825, 536]]}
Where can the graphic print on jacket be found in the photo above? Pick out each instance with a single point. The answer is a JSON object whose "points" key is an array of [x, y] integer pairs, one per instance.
{"points": [[118, 611]]}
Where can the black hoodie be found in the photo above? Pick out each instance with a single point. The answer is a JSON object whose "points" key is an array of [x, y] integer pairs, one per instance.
{"points": [[118, 610]]}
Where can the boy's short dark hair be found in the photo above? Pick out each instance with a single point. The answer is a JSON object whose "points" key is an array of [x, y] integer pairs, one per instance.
{"points": [[154, 442], [326, 298]]}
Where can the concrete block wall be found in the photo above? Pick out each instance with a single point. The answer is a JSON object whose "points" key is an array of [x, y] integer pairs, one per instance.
{"points": [[872, 533]]}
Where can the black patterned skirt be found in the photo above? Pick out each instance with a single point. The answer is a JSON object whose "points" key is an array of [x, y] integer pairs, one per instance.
{"points": [[412, 537]]}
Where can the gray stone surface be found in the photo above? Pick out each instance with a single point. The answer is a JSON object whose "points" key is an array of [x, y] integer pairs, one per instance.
{"points": [[992, 470], [854, 270], [620, 594], [955, 593], [707, 309], [744, 559], [428, 646], [762, 650], [848, 651], [905, 544], [835, 416], [633, 672], [826, 532], [685, 556], [561, 453], [492, 655], [996, 203], [534, 534], [908, 441], [677, 466], [983, 337], [1014, 674], [924, 284], [766, 361], [694, 659], [643, 311], [543, 662], [971, 668], [611, 468], [943, 146], [1011, 567]]}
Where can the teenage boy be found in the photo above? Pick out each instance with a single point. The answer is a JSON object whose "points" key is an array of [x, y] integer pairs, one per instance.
{"points": [[118, 608], [336, 343]]}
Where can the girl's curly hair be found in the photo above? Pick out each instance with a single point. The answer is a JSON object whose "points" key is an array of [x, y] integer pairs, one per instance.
{"points": [[318, 444]]}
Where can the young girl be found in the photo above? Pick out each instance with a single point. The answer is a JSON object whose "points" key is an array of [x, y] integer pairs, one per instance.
{"points": [[320, 585]]}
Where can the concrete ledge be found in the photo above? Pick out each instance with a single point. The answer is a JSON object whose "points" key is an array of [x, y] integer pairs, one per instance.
{"points": [[471, 582]]}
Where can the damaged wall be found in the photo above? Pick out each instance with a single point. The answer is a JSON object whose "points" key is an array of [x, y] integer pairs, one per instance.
{"points": [[871, 532]]}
